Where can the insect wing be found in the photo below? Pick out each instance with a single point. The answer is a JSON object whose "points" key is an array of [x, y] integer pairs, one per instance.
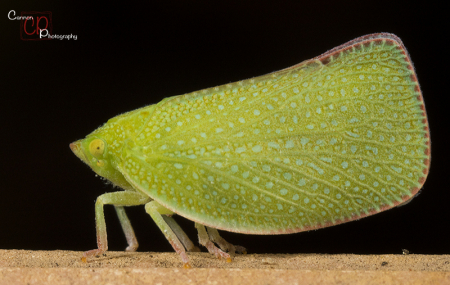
{"points": [[330, 140]]}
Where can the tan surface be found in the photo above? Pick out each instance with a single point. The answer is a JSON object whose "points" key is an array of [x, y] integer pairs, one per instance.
{"points": [[65, 267]]}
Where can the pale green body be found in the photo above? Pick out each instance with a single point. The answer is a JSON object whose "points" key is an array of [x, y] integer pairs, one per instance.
{"points": [[330, 140]]}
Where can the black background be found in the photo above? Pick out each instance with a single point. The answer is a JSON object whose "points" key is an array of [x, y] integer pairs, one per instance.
{"points": [[135, 54]]}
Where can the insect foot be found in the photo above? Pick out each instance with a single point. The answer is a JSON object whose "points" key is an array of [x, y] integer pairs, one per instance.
{"points": [[91, 253]]}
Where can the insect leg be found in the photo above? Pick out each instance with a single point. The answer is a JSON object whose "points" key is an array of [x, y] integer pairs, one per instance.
{"points": [[121, 198], [222, 243], [156, 211], [127, 229], [181, 234], [204, 240]]}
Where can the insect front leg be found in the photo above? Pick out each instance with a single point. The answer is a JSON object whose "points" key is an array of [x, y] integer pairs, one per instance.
{"points": [[121, 198], [223, 244], [156, 211], [204, 240], [127, 229]]}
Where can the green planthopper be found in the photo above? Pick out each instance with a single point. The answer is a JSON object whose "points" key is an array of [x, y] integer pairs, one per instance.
{"points": [[330, 140]]}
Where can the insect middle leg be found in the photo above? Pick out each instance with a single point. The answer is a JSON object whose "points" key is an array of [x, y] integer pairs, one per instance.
{"points": [[188, 244], [156, 211], [120, 198]]}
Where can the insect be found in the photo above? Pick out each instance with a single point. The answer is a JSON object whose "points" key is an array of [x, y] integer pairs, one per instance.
{"points": [[330, 140]]}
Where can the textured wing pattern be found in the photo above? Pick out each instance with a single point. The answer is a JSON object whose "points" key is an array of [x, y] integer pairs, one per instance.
{"points": [[333, 139]]}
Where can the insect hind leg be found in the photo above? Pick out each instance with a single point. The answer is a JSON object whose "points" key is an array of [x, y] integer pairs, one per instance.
{"points": [[204, 240], [223, 244]]}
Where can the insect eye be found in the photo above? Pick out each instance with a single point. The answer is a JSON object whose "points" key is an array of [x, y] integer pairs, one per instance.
{"points": [[97, 147]]}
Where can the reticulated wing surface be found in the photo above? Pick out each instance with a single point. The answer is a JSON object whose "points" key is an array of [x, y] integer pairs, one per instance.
{"points": [[331, 140]]}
